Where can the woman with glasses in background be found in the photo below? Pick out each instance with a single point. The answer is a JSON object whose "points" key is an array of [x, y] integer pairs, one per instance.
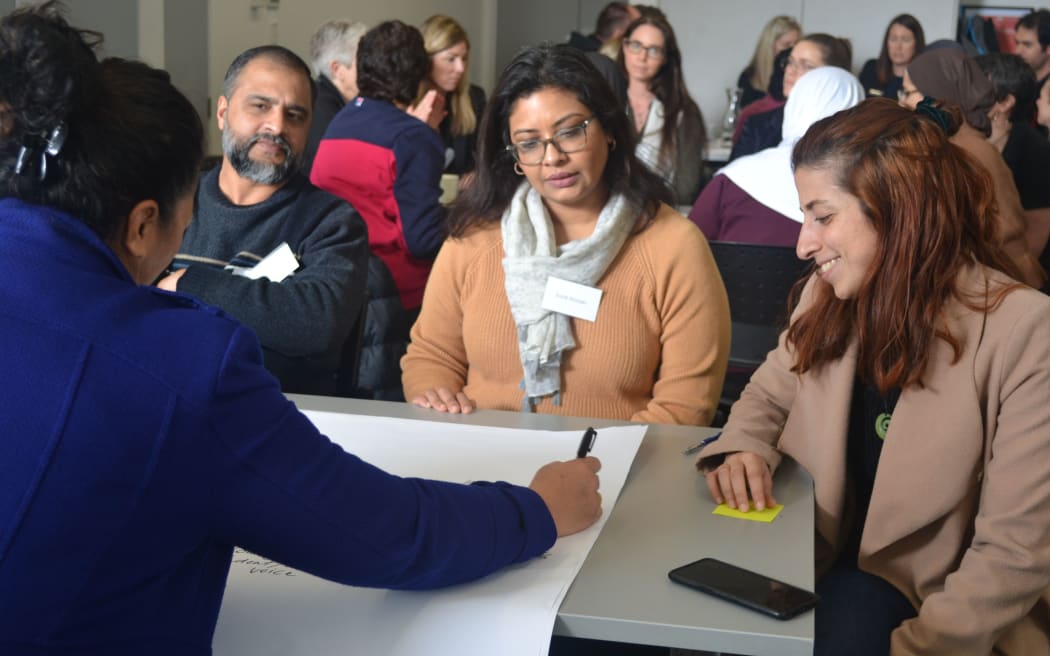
{"points": [[561, 207], [670, 128], [904, 39], [763, 131]]}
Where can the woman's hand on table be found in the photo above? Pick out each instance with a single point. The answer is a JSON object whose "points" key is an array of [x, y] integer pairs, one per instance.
{"points": [[739, 474], [443, 399]]}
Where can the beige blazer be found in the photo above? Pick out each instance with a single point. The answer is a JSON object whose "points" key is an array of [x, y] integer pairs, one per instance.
{"points": [[959, 519]]}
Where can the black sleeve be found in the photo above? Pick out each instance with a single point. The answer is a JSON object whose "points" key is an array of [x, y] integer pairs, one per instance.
{"points": [[752, 137], [748, 93], [869, 79], [1031, 168], [310, 311]]}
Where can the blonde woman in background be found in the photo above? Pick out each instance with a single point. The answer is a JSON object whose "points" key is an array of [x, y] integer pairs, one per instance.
{"points": [[449, 48], [779, 34]]}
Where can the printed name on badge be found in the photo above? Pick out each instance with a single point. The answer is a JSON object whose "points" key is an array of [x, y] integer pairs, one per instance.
{"points": [[573, 299]]}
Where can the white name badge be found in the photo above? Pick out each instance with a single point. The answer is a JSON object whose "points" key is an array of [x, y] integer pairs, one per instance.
{"points": [[276, 266], [573, 299]]}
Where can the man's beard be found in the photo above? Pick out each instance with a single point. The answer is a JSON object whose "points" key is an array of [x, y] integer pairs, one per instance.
{"points": [[259, 172]]}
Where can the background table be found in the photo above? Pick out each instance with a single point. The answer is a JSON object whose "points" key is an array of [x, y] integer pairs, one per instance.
{"points": [[662, 520]]}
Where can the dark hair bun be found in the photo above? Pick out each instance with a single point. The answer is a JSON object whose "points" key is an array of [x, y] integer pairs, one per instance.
{"points": [[48, 70], [128, 135]]}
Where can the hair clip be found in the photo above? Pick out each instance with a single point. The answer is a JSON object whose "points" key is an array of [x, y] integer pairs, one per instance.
{"points": [[57, 139], [35, 146], [928, 109], [23, 159]]}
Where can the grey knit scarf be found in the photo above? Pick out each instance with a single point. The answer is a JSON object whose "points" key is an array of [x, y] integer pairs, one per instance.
{"points": [[531, 256]]}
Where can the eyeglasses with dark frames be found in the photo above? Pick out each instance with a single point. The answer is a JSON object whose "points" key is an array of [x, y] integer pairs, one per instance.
{"points": [[569, 140], [637, 48]]}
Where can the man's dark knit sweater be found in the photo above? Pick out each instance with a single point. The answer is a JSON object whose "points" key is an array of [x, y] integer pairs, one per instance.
{"points": [[303, 321]]}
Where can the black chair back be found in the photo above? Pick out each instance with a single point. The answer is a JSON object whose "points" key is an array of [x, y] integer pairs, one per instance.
{"points": [[346, 376], [758, 281]]}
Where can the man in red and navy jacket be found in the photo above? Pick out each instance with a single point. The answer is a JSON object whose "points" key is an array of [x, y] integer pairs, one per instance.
{"points": [[386, 162]]}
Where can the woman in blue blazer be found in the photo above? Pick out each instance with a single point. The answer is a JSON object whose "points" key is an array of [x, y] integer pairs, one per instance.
{"points": [[140, 436]]}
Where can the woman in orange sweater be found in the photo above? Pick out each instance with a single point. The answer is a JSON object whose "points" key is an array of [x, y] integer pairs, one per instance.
{"points": [[567, 286]]}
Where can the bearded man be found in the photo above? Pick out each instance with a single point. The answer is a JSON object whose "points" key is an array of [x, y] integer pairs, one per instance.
{"points": [[285, 258]]}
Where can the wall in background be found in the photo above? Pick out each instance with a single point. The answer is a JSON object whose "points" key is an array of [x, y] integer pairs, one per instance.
{"points": [[237, 25], [716, 37]]}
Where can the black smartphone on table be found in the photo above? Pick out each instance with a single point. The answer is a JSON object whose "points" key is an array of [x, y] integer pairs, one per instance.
{"points": [[738, 585]]}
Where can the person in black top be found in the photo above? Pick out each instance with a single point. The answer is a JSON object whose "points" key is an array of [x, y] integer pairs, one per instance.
{"points": [[447, 45], [1024, 150], [609, 27], [1032, 37], [904, 39]]}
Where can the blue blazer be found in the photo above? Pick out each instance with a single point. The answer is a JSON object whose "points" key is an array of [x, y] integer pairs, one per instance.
{"points": [[141, 439]]}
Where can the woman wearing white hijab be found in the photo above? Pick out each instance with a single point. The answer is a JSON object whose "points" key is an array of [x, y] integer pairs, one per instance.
{"points": [[753, 199]]}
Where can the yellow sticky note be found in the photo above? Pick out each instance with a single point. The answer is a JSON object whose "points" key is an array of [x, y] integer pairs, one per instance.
{"points": [[767, 515]]}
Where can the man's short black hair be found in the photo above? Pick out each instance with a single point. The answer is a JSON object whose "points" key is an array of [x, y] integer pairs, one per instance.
{"points": [[613, 18], [1038, 22], [391, 62], [278, 54]]}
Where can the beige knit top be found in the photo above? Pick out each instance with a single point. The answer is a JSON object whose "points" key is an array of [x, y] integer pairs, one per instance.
{"points": [[656, 352]]}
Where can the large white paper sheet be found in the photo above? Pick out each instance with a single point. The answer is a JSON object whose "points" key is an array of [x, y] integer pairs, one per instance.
{"points": [[273, 610]]}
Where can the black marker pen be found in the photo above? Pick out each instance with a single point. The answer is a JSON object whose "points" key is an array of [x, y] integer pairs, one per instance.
{"points": [[587, 443]]}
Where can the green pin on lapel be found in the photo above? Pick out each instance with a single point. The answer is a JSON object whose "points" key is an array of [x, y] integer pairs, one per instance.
{"points": [[882, 425]]}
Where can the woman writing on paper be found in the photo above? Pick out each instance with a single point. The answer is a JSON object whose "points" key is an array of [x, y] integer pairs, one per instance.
{"points": [[142, 437], [561, 205], [912, 351]]}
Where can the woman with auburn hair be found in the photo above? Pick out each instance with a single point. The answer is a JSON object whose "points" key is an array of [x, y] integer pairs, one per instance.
{"points": [[670, 129], [903, 41], [449, 50], [779, 34], [559, 203], [912, 384]]}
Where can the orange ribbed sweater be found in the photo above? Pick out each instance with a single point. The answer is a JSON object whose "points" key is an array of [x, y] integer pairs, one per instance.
{"points": [[656, 353]]}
